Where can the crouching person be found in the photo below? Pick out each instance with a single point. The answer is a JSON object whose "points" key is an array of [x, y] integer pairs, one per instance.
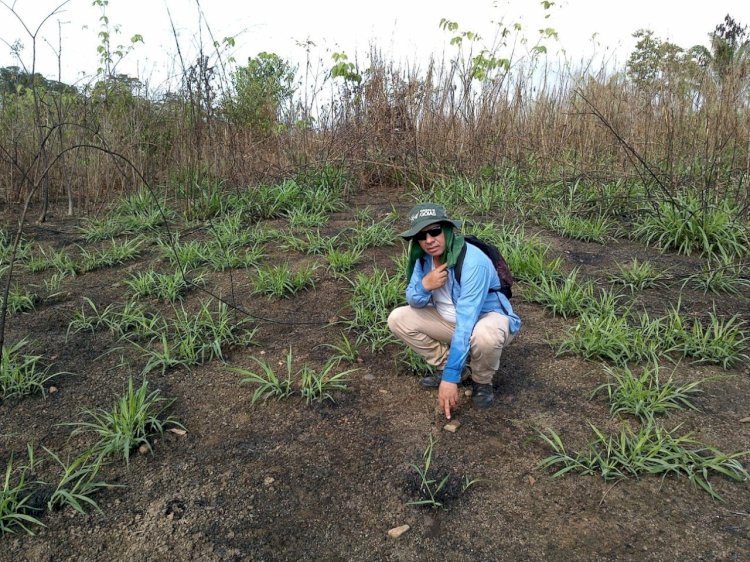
{"points": [[447, 323]]}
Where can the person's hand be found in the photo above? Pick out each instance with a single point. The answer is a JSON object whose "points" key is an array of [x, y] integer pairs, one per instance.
{"points": [[436, 278], [447, 397]]}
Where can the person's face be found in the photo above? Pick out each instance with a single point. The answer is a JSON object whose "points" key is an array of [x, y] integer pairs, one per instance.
{"points": [[432, 239]]}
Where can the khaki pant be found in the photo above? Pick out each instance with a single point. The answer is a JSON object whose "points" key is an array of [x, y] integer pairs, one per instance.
{"points": [[429, 335]]}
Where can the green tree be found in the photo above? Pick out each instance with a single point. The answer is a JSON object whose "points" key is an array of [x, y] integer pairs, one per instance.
{"points": [[263, 90], [730, 48], [653, 60]]}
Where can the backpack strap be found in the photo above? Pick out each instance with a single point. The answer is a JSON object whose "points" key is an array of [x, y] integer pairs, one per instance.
{"points": [[460, 264]]}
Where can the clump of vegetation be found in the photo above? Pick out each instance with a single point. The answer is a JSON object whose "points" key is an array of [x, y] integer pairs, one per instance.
{"points": [[345, 350], [342, 261], [313, 385], [15, 495], [20, 300], [373, 298], [373, 235], [117, 253], [646, 396], [194, 338], [719, 275], [21, 374], [588, 229], [636, 276], [649, 450], [313, 243], [687, 225], [169, 287], [565, 297], [414, 363], [133, 421], [280, 281]]}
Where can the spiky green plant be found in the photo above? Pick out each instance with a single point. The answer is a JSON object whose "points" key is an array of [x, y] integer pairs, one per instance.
{"points": [[230, 232], [77, 482], [23, 250], [21, 374], [306, 218], [270, 385], [567, 297], [588, 229], [414, 363], [373, 235], [221, 259], [527, 257], [134, 419], [311, 243], [646, 395], [719, 275], [719, 341], [636, 276], [20, 300], [194, 338], [118, 253], [15, 495], [686, 224], [345, 350], [649, 450], [281, 282], [430, 485], [613, 337], [169, 287], [373, 298], [107, 228], [317, 386], [183, 255], [341, 261]]}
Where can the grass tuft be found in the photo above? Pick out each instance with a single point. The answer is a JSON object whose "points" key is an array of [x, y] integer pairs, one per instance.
{"points": [[133, 421]]}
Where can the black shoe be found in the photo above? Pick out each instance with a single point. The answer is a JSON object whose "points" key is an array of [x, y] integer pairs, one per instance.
{"points": [[433, 380], [482, 395]]}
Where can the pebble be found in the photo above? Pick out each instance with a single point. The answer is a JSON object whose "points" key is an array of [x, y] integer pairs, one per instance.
{"points": [[396, 532], [369, 377], [52, 389], [452, 425]]}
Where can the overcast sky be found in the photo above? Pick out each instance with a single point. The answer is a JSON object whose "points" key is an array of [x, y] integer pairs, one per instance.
{"points": [[404, 30]]}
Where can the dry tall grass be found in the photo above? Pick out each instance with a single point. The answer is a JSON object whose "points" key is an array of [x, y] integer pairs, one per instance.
{"points": [[548, 123]]}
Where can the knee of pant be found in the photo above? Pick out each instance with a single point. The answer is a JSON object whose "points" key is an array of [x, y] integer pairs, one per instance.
{"points": [[488, 339], [394, 318]]}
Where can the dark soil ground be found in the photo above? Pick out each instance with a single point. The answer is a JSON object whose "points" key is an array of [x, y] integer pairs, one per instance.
{"points": [[284, 480]]}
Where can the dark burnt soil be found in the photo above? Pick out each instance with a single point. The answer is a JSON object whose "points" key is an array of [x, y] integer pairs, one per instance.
{"points": [[283, 480]]}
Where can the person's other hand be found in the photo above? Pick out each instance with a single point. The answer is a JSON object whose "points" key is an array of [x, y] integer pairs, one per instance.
{"points": [[447, 397], [436, 278]]}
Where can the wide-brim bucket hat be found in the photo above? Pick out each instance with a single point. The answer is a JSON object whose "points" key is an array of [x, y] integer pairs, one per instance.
{"points": [[426, 214]]}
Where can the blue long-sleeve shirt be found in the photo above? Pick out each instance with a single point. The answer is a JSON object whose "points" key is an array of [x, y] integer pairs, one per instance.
{"points": [[471, 298]]}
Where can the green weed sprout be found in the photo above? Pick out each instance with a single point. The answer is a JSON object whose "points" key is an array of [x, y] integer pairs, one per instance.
{"points": [[429, 486]]}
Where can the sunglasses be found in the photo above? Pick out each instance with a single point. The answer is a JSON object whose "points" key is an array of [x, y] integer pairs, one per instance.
{"points": [[434, 232]]}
